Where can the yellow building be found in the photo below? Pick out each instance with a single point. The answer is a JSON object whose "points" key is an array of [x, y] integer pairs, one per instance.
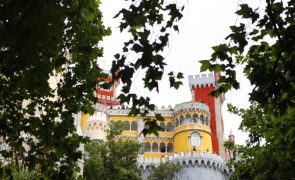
{"points": [[192, 131], [186, 128], [190, 127]]}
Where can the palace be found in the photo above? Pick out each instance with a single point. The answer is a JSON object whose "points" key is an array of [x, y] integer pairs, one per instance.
{"points": [[192, 131]]}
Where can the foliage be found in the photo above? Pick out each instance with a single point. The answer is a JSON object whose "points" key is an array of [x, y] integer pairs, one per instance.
{"points": [[113, 159], [59, 40], [265, 45], [11, 172], [165, 171], [150, 22], [43, 40]]}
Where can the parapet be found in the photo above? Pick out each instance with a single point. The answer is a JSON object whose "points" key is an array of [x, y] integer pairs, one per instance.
{"points": [[201, 80], [204, 159], [191, 106]]}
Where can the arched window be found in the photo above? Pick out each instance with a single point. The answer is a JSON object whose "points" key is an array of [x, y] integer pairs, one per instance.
{"points": [[195, 139], [134, 126], [202, 119], [176, 122], [187, 119], [181, 120], [126, 125], [162, 147], [147, 147], [162, 125], [155, 147], [169, 147], [169, 127], [207, 120], [195, 118]]}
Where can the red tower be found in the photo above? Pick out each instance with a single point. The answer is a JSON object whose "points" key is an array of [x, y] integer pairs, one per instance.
{"points": [[201, 86], [107, 97]]}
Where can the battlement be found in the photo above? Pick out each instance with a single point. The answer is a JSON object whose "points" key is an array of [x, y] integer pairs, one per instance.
{"points": [[201, 80], [202, 159]]}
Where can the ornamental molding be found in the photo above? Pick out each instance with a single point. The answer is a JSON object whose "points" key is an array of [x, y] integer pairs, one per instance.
{"points": [[125, 112], [126, 137], [191, 129], [191, 106], [158, 138], [194, 159], [187, 106]]}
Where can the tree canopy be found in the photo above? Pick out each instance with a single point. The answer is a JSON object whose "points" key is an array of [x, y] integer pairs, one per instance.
{"points": [[48, 72], [264, 42], [112, 159]]}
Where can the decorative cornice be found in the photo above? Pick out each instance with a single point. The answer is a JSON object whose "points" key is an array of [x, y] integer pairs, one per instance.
{"points": [[125, 112], [126, 137], [190, 129], [187, 159], [188, 106], [158, 138]]}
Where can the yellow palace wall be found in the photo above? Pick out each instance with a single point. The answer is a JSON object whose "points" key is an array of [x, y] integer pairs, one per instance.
{"points": [[178, 137], [84, 119], [182, 144]]}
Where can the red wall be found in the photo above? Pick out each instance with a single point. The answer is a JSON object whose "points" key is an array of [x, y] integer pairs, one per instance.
{"points": [[109, 92], [201, 95]]}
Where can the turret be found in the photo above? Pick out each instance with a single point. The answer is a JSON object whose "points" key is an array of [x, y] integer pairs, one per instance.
{"points": [[201, 86], [192, 128], [230, 153], [107, 97], [231, 136], [95, 126]]}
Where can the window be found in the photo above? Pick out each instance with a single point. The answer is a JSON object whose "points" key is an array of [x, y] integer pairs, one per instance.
{"points": [[147, 147], [155, 147], [207, 120], [126, 126], [169, 127], [187, 119], [176, 122], [169, 147], [195, 139], [202, 119], [195, 118], [162, 125], [162, 147], [181, 120], [134, 126]]}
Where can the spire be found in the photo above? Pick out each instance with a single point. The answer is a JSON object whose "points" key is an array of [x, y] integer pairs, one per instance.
{"points": [[231, 132], [231, 136]]}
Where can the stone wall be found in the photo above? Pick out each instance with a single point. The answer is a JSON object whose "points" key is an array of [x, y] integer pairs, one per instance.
{"points": [[202, 166]]}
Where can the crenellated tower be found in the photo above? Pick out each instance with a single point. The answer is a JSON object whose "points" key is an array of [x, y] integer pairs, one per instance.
{"points": [[107, 97], [96, 126], [201, 86]]}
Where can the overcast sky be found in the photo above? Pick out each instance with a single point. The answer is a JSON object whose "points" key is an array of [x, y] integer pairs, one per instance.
{"points": [[205, 24]]}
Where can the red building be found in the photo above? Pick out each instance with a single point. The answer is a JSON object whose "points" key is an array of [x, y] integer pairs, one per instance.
{"points": [[201, 86]]}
